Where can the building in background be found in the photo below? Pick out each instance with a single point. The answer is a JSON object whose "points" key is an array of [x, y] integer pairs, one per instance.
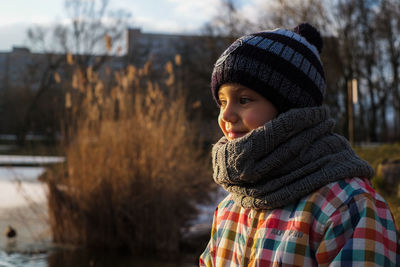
{"points": [[23, 74]]}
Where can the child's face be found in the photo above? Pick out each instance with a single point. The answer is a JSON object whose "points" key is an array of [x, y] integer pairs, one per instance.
{"points": [[242, 110]]}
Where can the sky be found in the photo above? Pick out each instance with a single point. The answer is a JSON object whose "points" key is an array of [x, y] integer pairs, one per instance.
{"points": [[172, 16]]}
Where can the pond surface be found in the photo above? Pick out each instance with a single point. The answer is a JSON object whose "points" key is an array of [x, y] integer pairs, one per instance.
{"points": [[77, 258], [20, 260]]}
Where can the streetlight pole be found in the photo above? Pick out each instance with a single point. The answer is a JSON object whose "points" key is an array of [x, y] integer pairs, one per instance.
{"points": [[352, 98]]}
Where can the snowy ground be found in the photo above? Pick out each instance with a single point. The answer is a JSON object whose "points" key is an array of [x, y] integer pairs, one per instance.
{"points": [[202, 224], [33, 160], [23, 203], [19, 186], [23, 206]]}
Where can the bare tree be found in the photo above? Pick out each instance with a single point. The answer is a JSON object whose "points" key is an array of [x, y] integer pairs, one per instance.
{"points": [[361, 41], [91, 33], [366, 45], [289, 13], [388, 28], [367, 70], [228, 23]]}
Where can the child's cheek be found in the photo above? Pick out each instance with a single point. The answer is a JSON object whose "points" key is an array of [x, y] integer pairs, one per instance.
{"points": [[221, 123]]}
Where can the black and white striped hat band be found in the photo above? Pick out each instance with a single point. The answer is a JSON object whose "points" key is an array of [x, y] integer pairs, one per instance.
{"points": [[281, 65]]}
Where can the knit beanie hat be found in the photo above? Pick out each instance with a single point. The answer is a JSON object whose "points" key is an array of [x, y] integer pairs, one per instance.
{"points": [[282, 65]]}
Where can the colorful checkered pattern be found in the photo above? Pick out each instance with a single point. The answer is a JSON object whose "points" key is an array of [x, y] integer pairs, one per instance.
{"points": [[345, 223]]}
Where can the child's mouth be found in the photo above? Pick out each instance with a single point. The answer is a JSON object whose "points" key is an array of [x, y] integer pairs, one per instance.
{"points": [[234, 135]]}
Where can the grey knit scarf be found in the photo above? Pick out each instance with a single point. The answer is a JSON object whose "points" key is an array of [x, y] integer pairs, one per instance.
{"points": [[285, 159]]}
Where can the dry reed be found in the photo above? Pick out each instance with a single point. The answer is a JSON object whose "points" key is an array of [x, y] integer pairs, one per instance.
{"points": [[134, 171]]}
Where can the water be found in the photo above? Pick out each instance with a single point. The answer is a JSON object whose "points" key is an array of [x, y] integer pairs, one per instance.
{"points": [[72, 258], [23, 260]]}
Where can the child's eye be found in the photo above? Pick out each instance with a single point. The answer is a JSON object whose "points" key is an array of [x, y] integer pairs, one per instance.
{"points": [[244, 100], [222, 102]]}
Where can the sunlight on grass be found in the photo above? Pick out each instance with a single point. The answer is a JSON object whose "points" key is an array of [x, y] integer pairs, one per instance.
{"points": [[375, 156], [135, 170]]}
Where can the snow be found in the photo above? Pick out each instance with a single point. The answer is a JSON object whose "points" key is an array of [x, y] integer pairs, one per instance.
{"points": [[19, 187], [16, 174], [23, 205], [202, 223], [21, 194], [13, 159]]}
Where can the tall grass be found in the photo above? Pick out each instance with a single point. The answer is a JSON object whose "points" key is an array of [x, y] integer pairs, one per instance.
{"points": [[134, 171], [375, 156]]}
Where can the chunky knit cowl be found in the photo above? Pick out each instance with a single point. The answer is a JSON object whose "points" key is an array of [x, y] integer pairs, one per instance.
{"points": [[287, 158]]}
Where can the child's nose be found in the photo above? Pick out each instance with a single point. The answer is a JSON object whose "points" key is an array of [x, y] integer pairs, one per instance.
{"points": [[229, 113]]}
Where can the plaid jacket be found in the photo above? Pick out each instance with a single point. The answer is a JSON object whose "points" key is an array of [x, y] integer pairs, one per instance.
{"points": [[345, 223]]}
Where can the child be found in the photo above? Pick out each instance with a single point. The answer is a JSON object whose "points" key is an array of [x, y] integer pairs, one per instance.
{"points": [[299, 195]]}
